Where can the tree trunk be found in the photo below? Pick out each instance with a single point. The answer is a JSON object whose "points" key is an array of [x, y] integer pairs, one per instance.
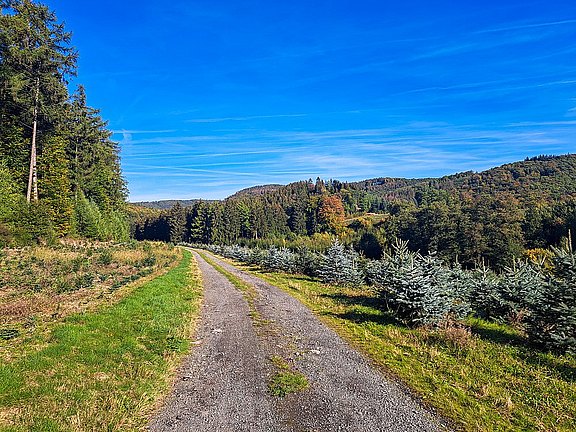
{"points": [[32, 193]]}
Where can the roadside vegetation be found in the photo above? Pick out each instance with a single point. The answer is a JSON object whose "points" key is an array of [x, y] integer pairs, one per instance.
{"points": [[482, 374], [286, 379], [104, 359], [41, 284]]}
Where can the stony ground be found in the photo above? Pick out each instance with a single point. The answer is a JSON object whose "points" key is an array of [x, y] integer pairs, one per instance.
{"points": [[244, 335]]}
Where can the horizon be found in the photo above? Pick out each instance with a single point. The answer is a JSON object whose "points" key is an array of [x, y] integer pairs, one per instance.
{"points": [[209, 100], [329, 179]]}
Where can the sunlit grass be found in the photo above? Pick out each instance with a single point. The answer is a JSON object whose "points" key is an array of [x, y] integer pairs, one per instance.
{"points": [[285, 380], [104, 370]]}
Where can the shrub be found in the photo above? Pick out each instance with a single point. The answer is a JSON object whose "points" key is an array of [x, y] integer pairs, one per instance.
{"points": [[340, 266], [419, 290], [256, 257], [552, 321], [508, 297], [280, 260], [484, 296], [105, 257], [308, 262]]}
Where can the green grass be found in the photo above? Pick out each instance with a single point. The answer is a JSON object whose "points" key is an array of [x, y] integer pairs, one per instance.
{"points": [[484, 377], [104, 370], [285, 380]]}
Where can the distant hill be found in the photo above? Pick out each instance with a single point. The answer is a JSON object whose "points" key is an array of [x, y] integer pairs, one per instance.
{"points": [[167, 204], [541, 178], [548, 177], [257, 190]]}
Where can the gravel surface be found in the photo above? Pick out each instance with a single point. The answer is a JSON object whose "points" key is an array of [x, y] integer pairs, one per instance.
{"points": [[222, 385]]}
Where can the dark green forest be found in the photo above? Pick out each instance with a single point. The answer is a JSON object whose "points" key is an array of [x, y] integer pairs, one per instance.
{"points": [[492, 217], [60, 176], [59, 169]]}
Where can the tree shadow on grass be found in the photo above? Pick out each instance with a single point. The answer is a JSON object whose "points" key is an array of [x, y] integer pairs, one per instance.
{"points": [[303, 278], [498, 335], [377, 315], [359, 317], [526, 352], [360, 300], [558, 365]]}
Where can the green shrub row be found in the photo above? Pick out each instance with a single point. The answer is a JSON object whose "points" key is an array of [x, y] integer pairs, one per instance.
{"points": [[423, 290]]}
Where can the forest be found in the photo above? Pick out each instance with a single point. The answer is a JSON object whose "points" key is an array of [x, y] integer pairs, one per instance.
{"points": [[493, 217], [59, 169]]}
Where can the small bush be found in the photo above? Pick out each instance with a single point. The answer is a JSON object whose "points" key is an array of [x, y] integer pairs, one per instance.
{"points": [[340, 267], [84, 281], [149, 261], [308, 262], [418, 290], [281, 260], [454, 336], [552, 320], [105, 257], [508, 297]]}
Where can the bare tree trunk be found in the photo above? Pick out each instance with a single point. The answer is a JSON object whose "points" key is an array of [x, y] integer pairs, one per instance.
{"points": [[32, 193]]}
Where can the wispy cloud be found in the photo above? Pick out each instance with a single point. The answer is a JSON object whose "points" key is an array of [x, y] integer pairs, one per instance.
{"points": [[548, 123], [527, 26], [421, 149], [136, 131], [475, 88], [244, 118]]}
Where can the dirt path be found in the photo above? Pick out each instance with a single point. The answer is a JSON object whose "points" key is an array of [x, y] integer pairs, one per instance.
{"points": [[223, 384]]}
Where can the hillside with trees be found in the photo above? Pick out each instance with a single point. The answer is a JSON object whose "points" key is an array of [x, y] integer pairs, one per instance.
{"points": [[59, 169], [492, 216], [540, 177]]}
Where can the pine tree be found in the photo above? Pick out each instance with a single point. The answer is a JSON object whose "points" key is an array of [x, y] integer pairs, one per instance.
{"points": [[11, 204], [94, 163], [419, 290], [54, 183], [552, 321], [282, 260], [340, 267], [36, 60], [177, 223], [307, 262], [485, 296], [87, 219]]}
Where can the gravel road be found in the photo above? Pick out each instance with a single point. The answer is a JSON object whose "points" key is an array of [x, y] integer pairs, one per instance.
{"points": [[222, 385]]}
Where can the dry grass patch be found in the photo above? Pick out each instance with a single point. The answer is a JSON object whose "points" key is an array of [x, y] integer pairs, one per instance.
{"points": [[45, 284], [105, 369]]}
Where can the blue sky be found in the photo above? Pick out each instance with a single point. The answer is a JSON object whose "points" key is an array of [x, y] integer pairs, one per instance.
{"points": [[208, 97]]}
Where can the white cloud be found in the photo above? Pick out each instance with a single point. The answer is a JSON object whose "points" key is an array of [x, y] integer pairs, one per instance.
{"points": [[244, 118], [528, 26]]}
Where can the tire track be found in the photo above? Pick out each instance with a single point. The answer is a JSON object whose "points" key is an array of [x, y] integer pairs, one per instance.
{"points": [[223, 383]]}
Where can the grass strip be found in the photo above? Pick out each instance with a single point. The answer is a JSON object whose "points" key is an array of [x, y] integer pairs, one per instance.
{"points": [[285, 380], [483, 379], [105, 370]]}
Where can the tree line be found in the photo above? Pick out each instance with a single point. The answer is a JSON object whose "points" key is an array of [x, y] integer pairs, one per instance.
{"points": [[463, 225], [59, 169]]}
